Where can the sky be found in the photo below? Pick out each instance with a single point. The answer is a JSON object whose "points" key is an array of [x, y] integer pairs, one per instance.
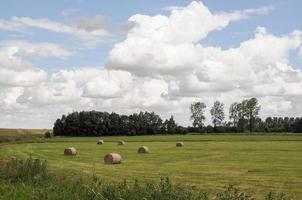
{"points": [[61, 56]]}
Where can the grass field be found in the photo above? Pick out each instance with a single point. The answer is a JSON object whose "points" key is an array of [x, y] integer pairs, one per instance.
{"points": [[257, 163]]}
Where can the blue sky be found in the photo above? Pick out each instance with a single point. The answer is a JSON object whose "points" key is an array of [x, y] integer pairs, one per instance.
{"points": [[125, 56]]}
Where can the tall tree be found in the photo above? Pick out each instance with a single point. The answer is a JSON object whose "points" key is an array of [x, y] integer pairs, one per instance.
{"points": [[234, 113], [217, 113], [251, 110], [197, 113]]}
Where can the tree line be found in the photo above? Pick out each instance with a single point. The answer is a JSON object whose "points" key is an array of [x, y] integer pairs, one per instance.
{"points": [[243, 117], [94, 123]]}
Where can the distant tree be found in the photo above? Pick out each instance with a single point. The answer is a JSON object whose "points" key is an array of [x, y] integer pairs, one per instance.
{"points": [[251, 109], [59, 126], [238, 115], [269, 123], [197, 113], [114, 124], [244, 114], [297, 126], [286, 124], [94, 123], [171, 126], [72, 124], [217, 113], [234, 113]]}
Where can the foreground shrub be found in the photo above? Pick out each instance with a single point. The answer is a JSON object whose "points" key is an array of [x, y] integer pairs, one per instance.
{"points": [[278, 196], [24, 169], [233, 193]]}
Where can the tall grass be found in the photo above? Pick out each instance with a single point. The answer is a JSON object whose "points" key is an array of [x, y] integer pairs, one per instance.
{"points": [[25, 169]]}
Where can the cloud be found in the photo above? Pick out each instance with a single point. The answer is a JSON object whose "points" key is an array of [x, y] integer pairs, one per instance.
{"points": [[258, 11], [90, 24], [11, 26], [108, 84], [21, 48], [8, 97], [26, 77], [168, 44], [83, 29], [88, 31], [15, 71], [67, 86]]}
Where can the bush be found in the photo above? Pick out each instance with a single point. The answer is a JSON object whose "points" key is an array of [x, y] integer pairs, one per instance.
{"points": [[233, 193], [48, 134], [278, 196]]}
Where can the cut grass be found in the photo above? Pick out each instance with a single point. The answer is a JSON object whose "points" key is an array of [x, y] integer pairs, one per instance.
{"points": [[256, 163]]}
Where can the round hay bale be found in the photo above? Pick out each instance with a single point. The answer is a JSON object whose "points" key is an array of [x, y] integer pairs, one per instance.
{"points": [[121, 142], [143, 149], [101, 142], [180, 144], [71, 151], [112, 159]]}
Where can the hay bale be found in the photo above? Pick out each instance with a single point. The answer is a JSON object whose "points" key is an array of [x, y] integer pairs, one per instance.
{"points": [[71, 151], [121, 142], [113, 158], [180, 144], [101, 142], [143, 149]]}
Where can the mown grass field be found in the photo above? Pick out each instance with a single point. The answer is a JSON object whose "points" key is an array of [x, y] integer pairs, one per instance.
{"points": [[258, 163]]}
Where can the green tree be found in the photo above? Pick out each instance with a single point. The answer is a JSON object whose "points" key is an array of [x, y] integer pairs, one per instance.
{"points": [[217, 113], [171, 125], [197, 113], [234, 113], [251, 109]]}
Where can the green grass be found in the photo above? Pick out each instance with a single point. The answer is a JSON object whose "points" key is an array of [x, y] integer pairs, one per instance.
{"points": [[256, 163]]}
